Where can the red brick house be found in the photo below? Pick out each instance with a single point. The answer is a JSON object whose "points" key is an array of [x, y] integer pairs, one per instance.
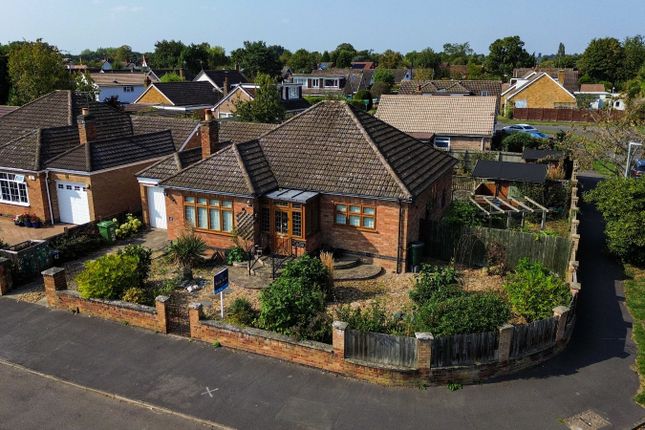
{"points": [[65, 157], [332, 176]]}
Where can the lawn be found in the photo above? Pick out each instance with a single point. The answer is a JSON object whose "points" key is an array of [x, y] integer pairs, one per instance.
{"points": [[635, 295], [605, 168]]}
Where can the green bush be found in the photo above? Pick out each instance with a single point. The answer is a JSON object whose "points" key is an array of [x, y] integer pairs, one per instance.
{"points": [[516, 142], [136, 295], [144, 260], [235, 255], [372, 319], [435, 283], [461, 213], [187, 251], [72, 246], [464, 313], [131, 226], [362, 95], [311, 271], [108, 276], [534, 291], [241, 312]]}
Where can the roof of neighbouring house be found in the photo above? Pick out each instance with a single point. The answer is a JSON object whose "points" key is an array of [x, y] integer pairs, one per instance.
{"points": [[509, 171], [172, 164], [436, 86], [218, 77], [422, 115], [5, 109], [592, 88], [106, 79], [182, 129], [104, 154], [330, 148], [186, 93], [571, 76], [543, 154], [532, 78], [238, 131]]}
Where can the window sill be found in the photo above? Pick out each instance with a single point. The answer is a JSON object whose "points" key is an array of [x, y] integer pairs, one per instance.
{"points": [[5, 202], [219, 233], [365, 229]]}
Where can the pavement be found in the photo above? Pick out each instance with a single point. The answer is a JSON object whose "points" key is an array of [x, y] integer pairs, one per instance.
{"points": [[593, 375]]}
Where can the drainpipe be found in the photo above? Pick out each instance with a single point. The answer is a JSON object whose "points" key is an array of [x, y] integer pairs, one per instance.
{"points": [[398, 245], [49, 198]]}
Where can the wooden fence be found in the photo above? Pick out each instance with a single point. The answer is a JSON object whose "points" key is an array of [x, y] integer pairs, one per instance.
{"points": [[574, 115], [468, 246], [532, 337], [381, 348], [464, 349], [468, 158]]}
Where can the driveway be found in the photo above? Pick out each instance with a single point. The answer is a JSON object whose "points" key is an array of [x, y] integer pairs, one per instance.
{"points": [[242, 390], [13, 234]]}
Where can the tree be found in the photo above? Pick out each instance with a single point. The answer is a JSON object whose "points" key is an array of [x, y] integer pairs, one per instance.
{"points": [[85, 84], [217, 57], [603, 60], [634, 48], [171, 77], [168, 53], [5, 84], [383, 75], [391, 59], [457, 53], [256, 57], [302, 61], [194, 57], [122, 54], [507, 54], [344, 59], [559, 57], [266, 107], [425, 59], [325, 58], [35, 69]]}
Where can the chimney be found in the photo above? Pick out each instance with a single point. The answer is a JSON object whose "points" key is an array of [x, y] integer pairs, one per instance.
{"points": [[86, 126], [226, 86], [561, 76], [209, 134]]}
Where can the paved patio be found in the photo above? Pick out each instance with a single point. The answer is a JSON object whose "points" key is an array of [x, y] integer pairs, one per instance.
{"points": [[13, 234]]}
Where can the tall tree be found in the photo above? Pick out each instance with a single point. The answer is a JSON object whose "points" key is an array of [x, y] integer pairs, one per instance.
{"points": [[217, 57], [634, 55], [391, 59], [505, 55], [122, 54], [194, 57], [603, 60], [256, 57], [266, 107], [35, 69], [168, 53], [425, 59], [343, 55], [559, 57], [302, 61], [5, 84], [457, 53]]}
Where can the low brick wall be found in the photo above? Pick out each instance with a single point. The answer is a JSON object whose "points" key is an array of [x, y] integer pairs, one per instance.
{"points": [[58, 297]]}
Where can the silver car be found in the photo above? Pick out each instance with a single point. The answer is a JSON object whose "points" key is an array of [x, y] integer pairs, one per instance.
{"points": [[520, 128]]}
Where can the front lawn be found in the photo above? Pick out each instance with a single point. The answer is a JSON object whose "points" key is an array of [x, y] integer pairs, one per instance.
{"points": [[635, 296]]}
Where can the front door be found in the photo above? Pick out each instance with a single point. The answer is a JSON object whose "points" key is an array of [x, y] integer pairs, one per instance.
{"points": [[157, 207], [281, 237]]}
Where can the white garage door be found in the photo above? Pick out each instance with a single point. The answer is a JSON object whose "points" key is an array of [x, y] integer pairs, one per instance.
{"points": [[157, 207], [73, 205]]}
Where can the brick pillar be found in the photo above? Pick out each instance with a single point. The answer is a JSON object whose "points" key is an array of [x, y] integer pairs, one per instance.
{"points": [[195, 313], [162, 313], [424, 351], [561, 313], [338, 338], [505, 339], [55, 280], [6, 281]]}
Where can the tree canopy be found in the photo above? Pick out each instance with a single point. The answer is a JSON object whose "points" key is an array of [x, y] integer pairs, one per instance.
{"points": [[256, 57], [505, 55], [603, 60], [266, 107]]}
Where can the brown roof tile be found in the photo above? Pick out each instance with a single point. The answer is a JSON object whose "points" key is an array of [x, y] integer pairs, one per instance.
{"points": [[181, 128], [473, 87]]}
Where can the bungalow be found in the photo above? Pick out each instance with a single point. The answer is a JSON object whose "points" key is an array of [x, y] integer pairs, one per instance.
{"points": [[537, 90], [448, 122], [127, 86], [452, 87], [340, 82], [567, 77], [596, 97], [330, 177], [180, 97], [67, 158], [290, 96], [221, 79]]}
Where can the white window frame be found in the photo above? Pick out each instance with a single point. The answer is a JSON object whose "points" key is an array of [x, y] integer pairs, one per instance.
{"points": [[292, 93], [445, 139], [7, 180], [224, 115], [128, 89], [334, 85], [484, 93], [315, 82], [521, 104], [301, 81]]}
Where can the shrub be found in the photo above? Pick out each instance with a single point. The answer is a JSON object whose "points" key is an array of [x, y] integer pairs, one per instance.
{"points": [[534, 291], [187, 251], [496, 258], [516, 142], [241, 312], [362, 96], [144, 260], [371, 319], [108, 276], [310, 270], [235, 255], [435, 283], [135, 295], [464, 313], [72, 246], [462, 214], [131, 226]]}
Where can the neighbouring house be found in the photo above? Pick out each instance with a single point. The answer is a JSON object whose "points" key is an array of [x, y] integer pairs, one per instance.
{"points": [[180, 97], [331, 177], [567, 77], [452, 87], [290, 96], [594, 96], [537, 90], [223, 80], [450, 123], [67, 158], [127, 86], [212, 136], [363, 65], [338, 82]]}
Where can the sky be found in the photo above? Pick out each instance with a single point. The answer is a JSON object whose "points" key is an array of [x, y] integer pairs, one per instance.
{"points": [[74, 25]]}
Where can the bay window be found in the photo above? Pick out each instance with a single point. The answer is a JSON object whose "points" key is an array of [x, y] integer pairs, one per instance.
{"points": [[209, 214]]}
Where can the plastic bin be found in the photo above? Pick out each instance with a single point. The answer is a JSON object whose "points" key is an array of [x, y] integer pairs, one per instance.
{"points": [[107, 230], [416, 253]]}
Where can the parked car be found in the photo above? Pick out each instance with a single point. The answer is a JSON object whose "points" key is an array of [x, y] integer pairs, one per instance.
{"points": [[638, 171], [519, 128], [538, 135]]}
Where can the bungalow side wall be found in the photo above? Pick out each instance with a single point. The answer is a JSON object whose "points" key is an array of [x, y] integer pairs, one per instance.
{"points": [[470, 143], [543, 94], [68, 177], [37, 195], [116, 191], [229, 105]]}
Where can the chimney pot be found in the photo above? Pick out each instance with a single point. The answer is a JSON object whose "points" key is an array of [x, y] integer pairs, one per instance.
{"points": [[85, 111], [208, 114]]}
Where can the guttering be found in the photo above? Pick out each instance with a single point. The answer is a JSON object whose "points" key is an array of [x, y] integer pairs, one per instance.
{"points": [[49, 198]]}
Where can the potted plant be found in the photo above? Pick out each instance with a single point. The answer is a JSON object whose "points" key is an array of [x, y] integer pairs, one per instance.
{"points": [[18, 220], [26, 220], [36, 222]]}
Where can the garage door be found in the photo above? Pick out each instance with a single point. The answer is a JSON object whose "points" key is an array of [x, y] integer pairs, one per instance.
{"points": [[73, 205], [157, 207]]}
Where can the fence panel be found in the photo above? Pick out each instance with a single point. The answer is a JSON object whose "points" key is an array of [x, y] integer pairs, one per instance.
{"points": [[533, 337], [464, 349], [381, 348], [564, 114]]}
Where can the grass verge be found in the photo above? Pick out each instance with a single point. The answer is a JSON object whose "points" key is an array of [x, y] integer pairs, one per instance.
{"points": [[605, 169], [635, 297]]}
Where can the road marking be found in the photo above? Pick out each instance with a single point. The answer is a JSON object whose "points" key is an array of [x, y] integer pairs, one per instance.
{"points": [[210, 392]]}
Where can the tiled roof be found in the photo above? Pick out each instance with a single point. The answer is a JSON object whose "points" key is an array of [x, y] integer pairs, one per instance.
{"points": [[106, 79], [172, 164], [238, 131], [104, 154], [218, 76], [181, 128], [592, 88], [451, 116], [474, 87], [189, 93], [571, 76], [5, 109], [330, 148], [508, 171]]}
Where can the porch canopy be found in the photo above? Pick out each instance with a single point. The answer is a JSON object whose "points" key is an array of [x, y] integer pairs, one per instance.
{"points": [[291, 196]]}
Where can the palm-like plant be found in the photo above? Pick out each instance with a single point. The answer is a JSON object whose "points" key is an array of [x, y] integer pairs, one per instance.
{"points": [[187, 251]]}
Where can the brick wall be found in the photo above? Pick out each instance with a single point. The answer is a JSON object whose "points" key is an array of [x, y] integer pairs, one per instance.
{"points": [[58, 297], [37, 195], [153, 97], [469, 143], [68, 177], [229, 105], [544, 93]]}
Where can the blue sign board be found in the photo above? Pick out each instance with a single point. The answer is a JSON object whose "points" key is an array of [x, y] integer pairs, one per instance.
{"points": [[220, 281]]}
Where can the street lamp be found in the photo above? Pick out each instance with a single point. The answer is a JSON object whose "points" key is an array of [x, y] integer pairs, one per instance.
{"points": [[629, 155]]}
